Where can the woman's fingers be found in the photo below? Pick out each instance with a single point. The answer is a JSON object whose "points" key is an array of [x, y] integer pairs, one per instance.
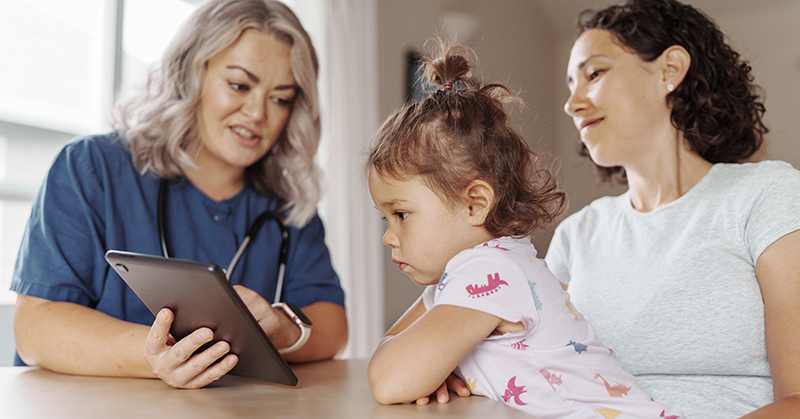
{"points": [[209, 374], [177, 364], [158, 334], [276, 325]]}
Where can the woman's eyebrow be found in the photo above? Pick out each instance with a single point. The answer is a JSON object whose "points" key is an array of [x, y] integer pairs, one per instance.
{"points": [[250, 75], [583, 64], [255, 78]]}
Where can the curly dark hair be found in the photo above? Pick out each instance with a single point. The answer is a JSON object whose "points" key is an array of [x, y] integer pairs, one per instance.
{"points": [[461, 133], [717, 106]]}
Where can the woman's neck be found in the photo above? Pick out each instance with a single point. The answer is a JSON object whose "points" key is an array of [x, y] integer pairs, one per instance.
{"points": [[665, 178], [217, 185]]}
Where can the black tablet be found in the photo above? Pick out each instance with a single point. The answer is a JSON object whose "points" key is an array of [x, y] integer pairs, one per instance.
{"points": [[200, 296]]}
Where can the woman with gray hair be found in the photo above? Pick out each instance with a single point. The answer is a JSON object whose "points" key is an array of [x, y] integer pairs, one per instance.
{"points": [[223, 132]]}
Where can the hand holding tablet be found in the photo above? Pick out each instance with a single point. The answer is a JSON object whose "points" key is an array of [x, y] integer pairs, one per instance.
{"points": [[200, 297]]}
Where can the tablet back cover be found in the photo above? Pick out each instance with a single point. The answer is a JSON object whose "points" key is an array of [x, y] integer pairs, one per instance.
{"points": [[200, 296]]}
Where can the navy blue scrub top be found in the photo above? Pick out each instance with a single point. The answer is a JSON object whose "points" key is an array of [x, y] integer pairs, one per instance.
{"points": [[94, 199]]}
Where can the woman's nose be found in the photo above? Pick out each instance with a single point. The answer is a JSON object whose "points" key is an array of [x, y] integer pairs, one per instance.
{"points": [[576, 102], [255, 107]]}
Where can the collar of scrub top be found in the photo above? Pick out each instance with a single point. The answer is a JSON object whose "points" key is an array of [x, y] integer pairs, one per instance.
{"points": [[255, 226]]}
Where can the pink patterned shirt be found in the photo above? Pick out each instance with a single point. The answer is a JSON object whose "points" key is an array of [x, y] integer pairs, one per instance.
{"points": [[556, 367]]}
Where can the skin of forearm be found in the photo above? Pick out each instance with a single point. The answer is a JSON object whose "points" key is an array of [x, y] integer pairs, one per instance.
{"points": [[394, 378], [788, 407], [73, 339]]}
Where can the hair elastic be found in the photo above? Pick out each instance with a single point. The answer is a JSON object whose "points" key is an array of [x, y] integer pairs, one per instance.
{"points": [[447, 86]]}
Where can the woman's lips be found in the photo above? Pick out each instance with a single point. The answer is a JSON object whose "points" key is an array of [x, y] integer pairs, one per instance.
{"points": [[245, 136], [589, 124]]}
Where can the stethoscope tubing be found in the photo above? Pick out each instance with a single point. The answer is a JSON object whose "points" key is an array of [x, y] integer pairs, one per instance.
{"points": [[251, 232]]}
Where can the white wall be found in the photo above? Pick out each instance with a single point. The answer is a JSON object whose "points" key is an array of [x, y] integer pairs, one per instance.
{"points": [[7, 332], [769, 38]]}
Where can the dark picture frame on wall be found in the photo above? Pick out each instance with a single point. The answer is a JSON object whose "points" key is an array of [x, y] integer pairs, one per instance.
{"points": [[416, 86]]}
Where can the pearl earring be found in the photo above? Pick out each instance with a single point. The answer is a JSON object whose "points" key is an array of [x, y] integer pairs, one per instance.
{"points": [[670, 87]]}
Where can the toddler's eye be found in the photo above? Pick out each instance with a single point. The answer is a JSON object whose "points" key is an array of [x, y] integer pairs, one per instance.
{"points": [[401, 214]]}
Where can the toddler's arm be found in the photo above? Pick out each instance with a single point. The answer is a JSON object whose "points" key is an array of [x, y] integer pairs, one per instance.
{"points": [[421, 350]]}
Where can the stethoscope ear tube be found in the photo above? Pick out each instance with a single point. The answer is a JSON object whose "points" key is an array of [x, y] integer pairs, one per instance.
{"points": [[162, 186]]}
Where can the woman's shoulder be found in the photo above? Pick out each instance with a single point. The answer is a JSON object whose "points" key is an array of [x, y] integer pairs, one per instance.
{"points": [[597, 211], [745, 180], [94, 159], [767, 170], [110, 146]]}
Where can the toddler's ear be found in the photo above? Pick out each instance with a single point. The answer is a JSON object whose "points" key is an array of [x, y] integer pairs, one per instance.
{"points": [[480, 199]]}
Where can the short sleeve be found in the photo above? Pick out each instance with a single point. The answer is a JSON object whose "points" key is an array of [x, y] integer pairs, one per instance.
{"points": [[557, 257], [775, 210], [483, 279], [310, 276], [61, 253]]}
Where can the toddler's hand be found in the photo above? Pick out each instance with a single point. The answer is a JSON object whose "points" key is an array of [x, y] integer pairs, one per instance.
{"points": [[452, 383]]}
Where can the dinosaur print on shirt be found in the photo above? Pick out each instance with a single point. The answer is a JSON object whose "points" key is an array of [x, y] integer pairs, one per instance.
{"points": [[494, 245], [536, 302], [514, 391], [572, 309], [519, 345], [441, 281], [552, 379], [478, 291], [608, 413], [472, 384], [618, 390], [579, 347]]}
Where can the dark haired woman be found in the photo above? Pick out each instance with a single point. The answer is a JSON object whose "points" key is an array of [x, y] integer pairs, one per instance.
{"points": [[692, 276]]}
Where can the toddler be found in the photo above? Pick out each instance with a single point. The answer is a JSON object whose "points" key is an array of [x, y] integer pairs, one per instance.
{"points": [[461, 193]]}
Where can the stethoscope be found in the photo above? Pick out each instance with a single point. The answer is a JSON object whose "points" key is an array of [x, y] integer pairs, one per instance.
{"points": [[251, 232]]}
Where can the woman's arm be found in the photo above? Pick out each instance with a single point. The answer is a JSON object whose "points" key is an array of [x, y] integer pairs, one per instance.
{"points": [[427, 347], [73, 339], [778, 273], [328, 333]]}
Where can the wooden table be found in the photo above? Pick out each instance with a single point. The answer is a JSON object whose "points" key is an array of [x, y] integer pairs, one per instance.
{"points": [[327, 389]]}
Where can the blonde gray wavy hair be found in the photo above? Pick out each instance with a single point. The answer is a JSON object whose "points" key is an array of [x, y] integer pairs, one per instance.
{"points": [[160, 119]]}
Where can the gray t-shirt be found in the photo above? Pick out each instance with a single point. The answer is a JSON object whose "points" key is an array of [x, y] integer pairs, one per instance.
{"points": [[674, 291]]}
